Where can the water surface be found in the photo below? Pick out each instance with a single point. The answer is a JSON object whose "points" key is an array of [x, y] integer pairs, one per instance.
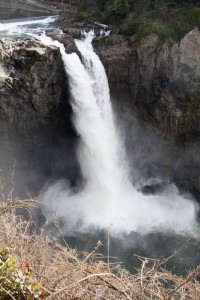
{"points": [[7, 14]]}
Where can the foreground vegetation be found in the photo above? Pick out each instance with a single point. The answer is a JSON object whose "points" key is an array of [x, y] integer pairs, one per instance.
{"points": [[33, 266]]}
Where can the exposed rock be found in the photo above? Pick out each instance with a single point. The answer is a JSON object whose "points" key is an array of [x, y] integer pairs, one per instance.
{"points": [[35, 126], [116, 55], [54, 32], [30, 82], [66, 40], [169, 85], [103, 26], [73, 32], [160, 83]]}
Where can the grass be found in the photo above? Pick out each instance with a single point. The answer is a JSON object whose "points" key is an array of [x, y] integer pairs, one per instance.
{"points": [[194, 17], [169, 34], [48, 270], [154, 27], [83, 16]]}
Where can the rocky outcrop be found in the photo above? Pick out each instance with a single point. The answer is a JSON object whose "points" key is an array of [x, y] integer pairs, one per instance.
{"points": [[73, 32], [66, 40], [172, 74], [116, 55], [161, 81], [35, 125], [30, 83], [161, 84]]}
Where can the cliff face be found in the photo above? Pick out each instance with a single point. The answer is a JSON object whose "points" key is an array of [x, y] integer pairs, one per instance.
{"points": [[116, 55], [161, 84], [161, 81], [30, 85], [35, 125]]}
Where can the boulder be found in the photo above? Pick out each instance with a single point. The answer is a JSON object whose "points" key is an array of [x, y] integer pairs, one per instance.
{"points": [[30, 83], [66, 40], [73, 32]]}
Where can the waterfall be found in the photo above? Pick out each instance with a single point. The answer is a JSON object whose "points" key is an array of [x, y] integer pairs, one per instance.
{"points": [[108, 197], [106, 143]]}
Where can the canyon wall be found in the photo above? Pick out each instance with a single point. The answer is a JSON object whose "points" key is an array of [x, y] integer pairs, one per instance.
{"points": [[35, 115], [159, 83]]}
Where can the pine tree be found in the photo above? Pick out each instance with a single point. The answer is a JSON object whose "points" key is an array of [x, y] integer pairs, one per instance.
{"points": [[121, 8], [126, 7]]}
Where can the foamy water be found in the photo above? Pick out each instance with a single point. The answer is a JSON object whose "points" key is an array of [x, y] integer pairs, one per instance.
{"points": [[108, 197]]}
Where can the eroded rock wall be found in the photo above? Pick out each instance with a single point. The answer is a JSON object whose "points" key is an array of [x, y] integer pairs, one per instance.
{"points": [[35, 114], [160, 83], [30, 85]]}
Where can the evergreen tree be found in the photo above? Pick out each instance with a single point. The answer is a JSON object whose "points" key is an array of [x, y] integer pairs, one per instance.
{"points": [[126, 7], [121, 9]]}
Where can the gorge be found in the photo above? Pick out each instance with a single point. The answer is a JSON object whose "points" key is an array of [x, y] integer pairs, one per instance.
{"points": [[101, 189]]}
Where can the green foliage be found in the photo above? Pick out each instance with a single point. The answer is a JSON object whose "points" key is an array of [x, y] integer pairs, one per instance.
{"points": [[167, 18], [130, 28], [114, 11], [16, 281], [154, 27], [83, 16], [177, 33], [121, 9], [194, 17], [102, 4], [165, 33]]}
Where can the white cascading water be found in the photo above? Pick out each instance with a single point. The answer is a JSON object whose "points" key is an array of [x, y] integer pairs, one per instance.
{"points": [[108, 197], [104, 32], [22, 28]]}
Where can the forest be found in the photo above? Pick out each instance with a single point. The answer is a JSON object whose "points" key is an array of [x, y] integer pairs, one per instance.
{"points": [[169, 19]]}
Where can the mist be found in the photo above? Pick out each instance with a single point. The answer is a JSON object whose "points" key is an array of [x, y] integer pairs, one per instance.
{"points": [[114, 163], [109, 196]]}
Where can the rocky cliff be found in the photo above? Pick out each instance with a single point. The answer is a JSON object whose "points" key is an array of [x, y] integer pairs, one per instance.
{"points": [[161, 84], [158, 82], [35, 125], [161, 81], [30, 85]]}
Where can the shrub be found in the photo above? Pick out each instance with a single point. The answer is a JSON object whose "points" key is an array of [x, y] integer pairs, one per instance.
{"points": [[16, 280], [172, 35], [129, 29], [83, 16], [154, 27], [194, 17], [177, 33], [66, 274]]}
